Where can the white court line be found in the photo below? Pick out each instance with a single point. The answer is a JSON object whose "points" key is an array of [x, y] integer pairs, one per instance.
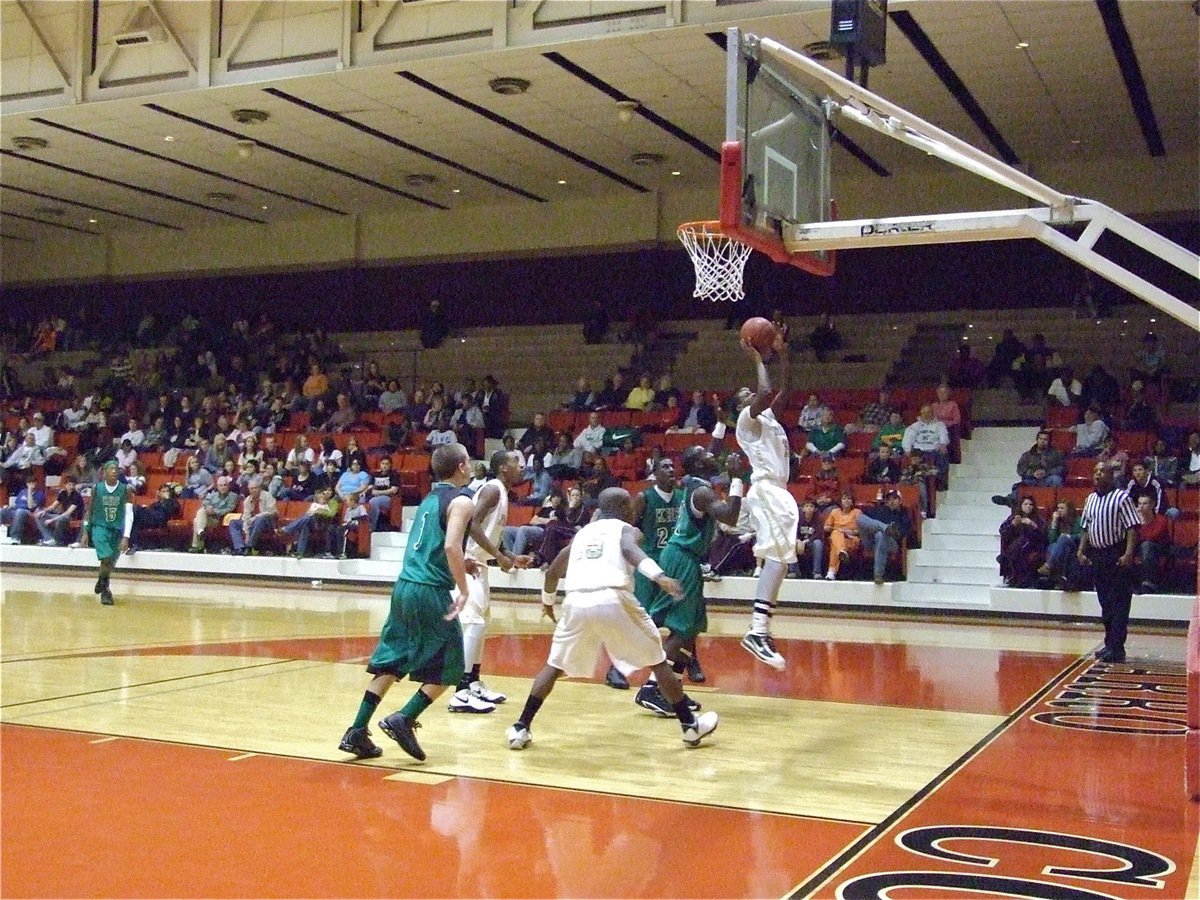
{"points": [[242, 756], [105, 740]]}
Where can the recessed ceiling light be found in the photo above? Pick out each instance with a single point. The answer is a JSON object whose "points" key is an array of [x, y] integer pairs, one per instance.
{"points": [[562, 181], [91, 221], [1021, 45], [456, 190], [509, 86], [264, 206], [676, 172], [168, 138]]}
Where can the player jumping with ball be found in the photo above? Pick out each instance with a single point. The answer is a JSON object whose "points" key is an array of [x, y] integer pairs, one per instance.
{"points": [[773, 509]]}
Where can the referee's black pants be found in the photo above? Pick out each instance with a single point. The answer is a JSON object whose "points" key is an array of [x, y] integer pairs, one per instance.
{"points": [[1114, 590]]}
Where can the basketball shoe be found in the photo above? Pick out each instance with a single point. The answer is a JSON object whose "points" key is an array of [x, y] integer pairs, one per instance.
{"points": [[702, 728], [518, 737], [358, 742], [762, 648], [465, 701], [401, 729], [486, 694]]}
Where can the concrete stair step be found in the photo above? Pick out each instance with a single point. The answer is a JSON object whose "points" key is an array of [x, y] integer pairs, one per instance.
{"points": [[989, 543], [959, 498], [915, 594], [954, 559], [970, 470], [982, 485], [984, 516], [957, 526], [954, 575]]}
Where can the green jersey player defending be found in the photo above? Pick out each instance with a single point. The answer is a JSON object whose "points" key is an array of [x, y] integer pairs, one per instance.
{"points": [[682, 557], [655, 511], [422, 637], [108, 524]]}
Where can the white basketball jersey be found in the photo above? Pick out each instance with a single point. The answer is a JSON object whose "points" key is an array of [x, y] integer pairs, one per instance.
{"points": [[493, 525], [596, 560], [767, 452]]}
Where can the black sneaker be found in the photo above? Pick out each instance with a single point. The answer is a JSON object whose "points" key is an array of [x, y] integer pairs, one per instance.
{"points": [[358, 741], [106, 597], [400, 728], [651, 698], [695, 674], [614, 679], [1003, 499], [100, 585]]}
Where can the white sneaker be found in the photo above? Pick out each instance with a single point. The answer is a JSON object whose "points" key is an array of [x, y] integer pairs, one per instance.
{"points": [[830, 576], [75, 545], [705, 725], [519, 738], [465, 702], [48, 542], [762, 648], [481, 690]]}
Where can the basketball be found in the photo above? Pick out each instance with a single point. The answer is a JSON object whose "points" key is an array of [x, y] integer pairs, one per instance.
{"points": [[759, 333]]}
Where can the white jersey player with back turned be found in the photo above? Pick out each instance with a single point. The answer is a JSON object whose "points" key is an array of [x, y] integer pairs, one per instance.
{"points": [[491, 514], [764, 442]]}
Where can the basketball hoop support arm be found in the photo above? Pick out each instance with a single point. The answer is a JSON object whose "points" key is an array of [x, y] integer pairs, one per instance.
{"points": [[870, 110]]}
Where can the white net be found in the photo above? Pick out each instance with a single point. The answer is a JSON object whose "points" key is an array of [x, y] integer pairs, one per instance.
{"points": [[719, 260]]}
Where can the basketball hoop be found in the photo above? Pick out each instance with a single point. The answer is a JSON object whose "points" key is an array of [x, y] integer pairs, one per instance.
{"points": [[718, 258]]}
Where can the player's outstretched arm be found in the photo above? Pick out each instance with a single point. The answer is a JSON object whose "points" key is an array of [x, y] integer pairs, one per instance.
{"points": [[485, 502], [762, 392], [779, 403], [631, 550], [705, 502]]}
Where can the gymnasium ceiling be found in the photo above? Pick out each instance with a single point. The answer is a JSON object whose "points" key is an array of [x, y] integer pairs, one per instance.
{"points": [[411, 123]]}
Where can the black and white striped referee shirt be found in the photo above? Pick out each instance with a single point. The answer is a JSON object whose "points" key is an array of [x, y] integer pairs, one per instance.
{"points": [[1107, 517]]}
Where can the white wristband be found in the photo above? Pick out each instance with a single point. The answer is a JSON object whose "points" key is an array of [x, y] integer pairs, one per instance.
{"points": [[737, 488], [649, 568], [719, 431], [548, 599]]}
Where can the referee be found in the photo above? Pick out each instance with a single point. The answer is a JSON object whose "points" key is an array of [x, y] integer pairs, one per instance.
{"points": [[1109, 536]]}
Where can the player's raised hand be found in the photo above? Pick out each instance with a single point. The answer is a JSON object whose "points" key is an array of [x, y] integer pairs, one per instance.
{"points": [[472, 566], [524, 561], [751, 351]]}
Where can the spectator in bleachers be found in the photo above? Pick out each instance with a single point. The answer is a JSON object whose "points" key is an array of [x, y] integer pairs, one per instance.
{"points": [[1150, 366], [1154, 543], [494, 404], [1143, 484], [965, 371], [218, 454], [875, 414], [883, 528], [929, 435], [70, 418], [83, 472], [1089, 434], [665, 392], [354, 480], [1100, 390], [810, 542], [329, 453], [883, 468], [440, 434], [373, 385], [1061, 567], [304, 483], [1032, 369], [153, 515], [242, 476], [250, 452], [258, 518], [315, 387], [133, 434], [824, 339], [343, 416], [582, 400], [467, 420], [827, 485], [135, 477], [1140, 414], [55, 520], [1022, 545], [126, 456], [842, 534], [24, 455], [811, 413], [385, 485], [354, 451], [392, 398], [946, 409], [236, 435], [516, 539], [1114, 457], [828, 438], [691, 417], [156, 436], [613, 394], [353, 510], [299, 453], [272, 480], [1066, 389], [538, 431], [642, 395], [437, 406], [216, 504], [1008, 349], [22, 507], [1041, 465], [599, 479], [1162, 464], [436, 327], [271, 451], [540, 483], [591, 438], [510, 444], [891, 434], [570, 517], [916, 469]]}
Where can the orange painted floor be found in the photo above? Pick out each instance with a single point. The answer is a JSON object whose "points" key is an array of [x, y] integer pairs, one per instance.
{"points": [[1071, 787]]}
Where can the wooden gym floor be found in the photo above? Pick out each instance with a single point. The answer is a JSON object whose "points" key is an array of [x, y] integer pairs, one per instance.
{"points": [[184, 743]]}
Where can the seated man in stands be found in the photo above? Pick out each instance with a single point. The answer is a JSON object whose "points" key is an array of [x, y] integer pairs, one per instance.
{"points": [[883, 528], [884, 467], [699, 416], [810, 542], [1041, 465], [258, 518], [343, 416], [591, 438], [563, 460], [25, 455], [1143, 484], [929, 435], [494, 403], [126, 456], [600, 479], [440, 434], [811, 413], [23, 506], [1151, 363], [827, 485], [134, 434], [965, 371], [1140, 414], [1066, 389], [876, 414], [1189, 461], [1114, 457], [315, 387], [322, 511], [582, 400], [1154, 544], [385, 484], [538, 430], [467, 422], [54, 521], [154, 515], [304, 484], [392, 399], [216, 505], [517, 538], [918, 470], [828, 438], [540, 482], [891, 434]]}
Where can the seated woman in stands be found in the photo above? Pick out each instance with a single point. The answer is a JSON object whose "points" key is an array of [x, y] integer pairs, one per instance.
{"points": [[1022, 545], [600, 479], [569, 518], [842, 536], [197, 480], [135, 477], [1061, 567], [250, 452]]}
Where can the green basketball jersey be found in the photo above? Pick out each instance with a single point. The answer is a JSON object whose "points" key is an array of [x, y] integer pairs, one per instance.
{"points": [[108, 509], [658, 520], [692, 534], [425, 554]]}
